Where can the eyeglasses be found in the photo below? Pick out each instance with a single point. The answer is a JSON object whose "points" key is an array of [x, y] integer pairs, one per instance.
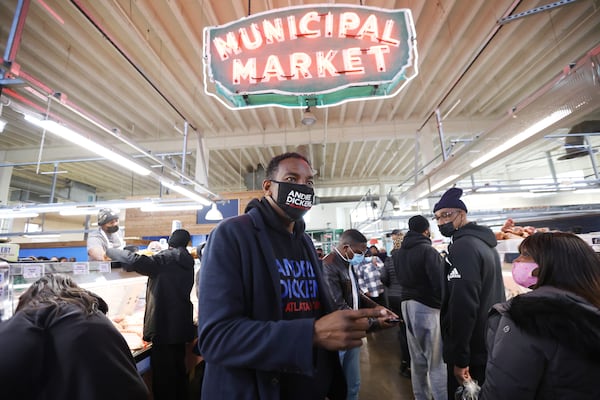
{"points": [[444, 215]]}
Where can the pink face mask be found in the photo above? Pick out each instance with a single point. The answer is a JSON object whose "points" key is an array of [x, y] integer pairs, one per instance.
{"points": [[521, 273]]}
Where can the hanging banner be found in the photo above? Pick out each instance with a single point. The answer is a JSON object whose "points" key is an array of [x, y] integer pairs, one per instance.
{"points": [[316, 55]]}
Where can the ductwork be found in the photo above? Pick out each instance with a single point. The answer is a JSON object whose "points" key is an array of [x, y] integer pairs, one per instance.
{"points": [[26, 191], [575, 143]]}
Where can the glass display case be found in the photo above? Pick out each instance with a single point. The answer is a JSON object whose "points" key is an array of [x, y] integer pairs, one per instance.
{"points": [[123, 291]]}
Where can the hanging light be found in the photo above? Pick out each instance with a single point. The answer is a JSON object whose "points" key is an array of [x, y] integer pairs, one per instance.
{"points": [[308, 118], [214, 214]]}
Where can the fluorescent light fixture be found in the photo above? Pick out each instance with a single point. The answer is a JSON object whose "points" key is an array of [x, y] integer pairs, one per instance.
{"points": [[171, 207], [41, 235], [214, 214], [423, 194], [588, 191], [522, 136], [444, 182], [487, 189], [187, 193], [437, 185], [2, 125], [80, 211], [12, 214], [80, 140], [116, 205]]}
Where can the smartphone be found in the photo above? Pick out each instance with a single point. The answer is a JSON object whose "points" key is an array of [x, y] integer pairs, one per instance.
{"points": [[392, 320]]}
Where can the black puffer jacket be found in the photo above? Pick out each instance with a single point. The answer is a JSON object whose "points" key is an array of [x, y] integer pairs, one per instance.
{"points": [[543, 345], [169, 312]]}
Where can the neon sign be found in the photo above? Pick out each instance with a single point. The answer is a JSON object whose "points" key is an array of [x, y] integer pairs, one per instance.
{"points": [[302, 56]]}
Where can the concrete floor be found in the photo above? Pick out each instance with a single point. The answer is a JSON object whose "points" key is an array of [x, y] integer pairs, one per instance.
{"points": [[379, 368]]}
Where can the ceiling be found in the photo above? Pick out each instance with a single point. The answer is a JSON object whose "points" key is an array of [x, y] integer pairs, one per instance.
{"points": [[130, 72]]}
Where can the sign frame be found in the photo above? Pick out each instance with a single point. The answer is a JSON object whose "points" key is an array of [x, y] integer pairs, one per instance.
{"points": [[385, 37]]}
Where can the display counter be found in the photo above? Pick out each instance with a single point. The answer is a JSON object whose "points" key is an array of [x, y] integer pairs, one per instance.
{"points": [[123, 291]]}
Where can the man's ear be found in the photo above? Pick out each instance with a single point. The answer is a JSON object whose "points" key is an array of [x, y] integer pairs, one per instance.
{"points": [[266, 185]]}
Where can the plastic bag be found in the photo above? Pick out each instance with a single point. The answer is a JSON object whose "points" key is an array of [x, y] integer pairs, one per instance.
{"points": [[469, 390]]}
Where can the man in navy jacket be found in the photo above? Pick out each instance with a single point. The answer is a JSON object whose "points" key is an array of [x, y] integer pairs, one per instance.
{"points": [[266, 326]]}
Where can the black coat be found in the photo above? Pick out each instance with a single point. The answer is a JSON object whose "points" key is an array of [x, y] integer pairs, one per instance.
{"points": [[169, 311], [472, 285], [243, 337], [543, 345], [59, 352], [418, 268]]}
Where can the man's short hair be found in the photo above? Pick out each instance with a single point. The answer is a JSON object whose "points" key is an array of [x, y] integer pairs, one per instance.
{"points": [[274, 163], [352, 236], [418, 223]]}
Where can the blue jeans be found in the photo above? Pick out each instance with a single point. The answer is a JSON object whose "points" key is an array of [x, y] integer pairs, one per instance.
{"points": [[350, 360], [428, 371]]}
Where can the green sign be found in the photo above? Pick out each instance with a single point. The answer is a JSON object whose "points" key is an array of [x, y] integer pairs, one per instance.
{"points": [[317, 55]]}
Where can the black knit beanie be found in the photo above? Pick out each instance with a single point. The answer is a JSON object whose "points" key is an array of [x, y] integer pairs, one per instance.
{"points": [[179, 238], [451, 199]]}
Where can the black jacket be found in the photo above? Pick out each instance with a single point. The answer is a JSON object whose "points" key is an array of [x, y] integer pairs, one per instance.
{"points": [[419, 267], [390, 280], [543, 345], [169, 312], [59, 352], [472, 285]]}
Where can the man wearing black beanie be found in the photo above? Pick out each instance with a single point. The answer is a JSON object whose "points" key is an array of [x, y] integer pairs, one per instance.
{"points": [[168, 320], [472, 285]]}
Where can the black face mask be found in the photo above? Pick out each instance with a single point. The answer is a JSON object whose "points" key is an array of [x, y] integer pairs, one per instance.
{"points": [[112, 229], [295, 200], [447, 229]]}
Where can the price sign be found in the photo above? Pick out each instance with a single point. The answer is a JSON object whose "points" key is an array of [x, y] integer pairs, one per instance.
{"points": [[104, 267], [32, 271], [81, 268]]}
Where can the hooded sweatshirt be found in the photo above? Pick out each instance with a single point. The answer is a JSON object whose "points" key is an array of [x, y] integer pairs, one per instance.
{"points": [[544, 344], [419, 269], [472, 285]]}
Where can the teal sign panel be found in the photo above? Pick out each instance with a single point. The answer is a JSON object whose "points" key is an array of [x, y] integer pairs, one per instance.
{"points": [[317, 55]]}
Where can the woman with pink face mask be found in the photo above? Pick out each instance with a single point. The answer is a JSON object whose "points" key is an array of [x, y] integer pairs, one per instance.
{"points": [[545, 344]]}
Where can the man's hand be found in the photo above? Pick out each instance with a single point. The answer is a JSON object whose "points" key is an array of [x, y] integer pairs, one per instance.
{"points": [[386, 315], [343, 329], [461, 374]]}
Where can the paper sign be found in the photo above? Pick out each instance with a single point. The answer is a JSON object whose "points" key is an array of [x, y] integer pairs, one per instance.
{"points": [[10, 252], [104, 267], [32, 271], [81, 268]]}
